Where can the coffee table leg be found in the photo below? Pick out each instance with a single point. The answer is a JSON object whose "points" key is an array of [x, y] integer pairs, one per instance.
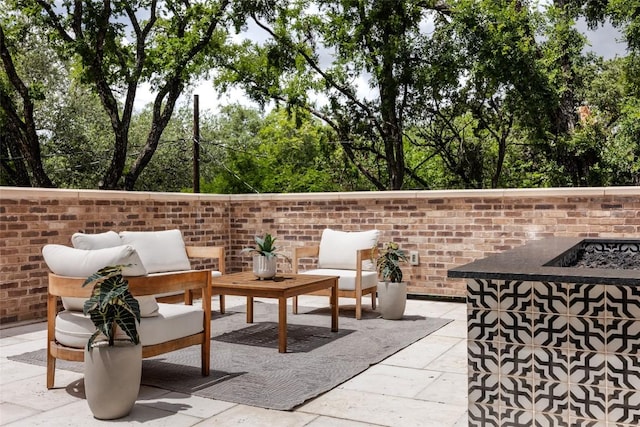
{"points": [[249, 309], [282, 325], [334, 306]]}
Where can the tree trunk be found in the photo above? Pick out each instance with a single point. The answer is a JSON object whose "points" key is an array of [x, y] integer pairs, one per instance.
{"points": [[23, 125]]}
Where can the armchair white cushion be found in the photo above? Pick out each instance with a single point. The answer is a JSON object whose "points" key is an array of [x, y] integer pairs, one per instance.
{"points": [[159, 250], [347, 278], [73, 328], [72, 262], [338, 249], [107, 239], [174, 326], [338, 254]]}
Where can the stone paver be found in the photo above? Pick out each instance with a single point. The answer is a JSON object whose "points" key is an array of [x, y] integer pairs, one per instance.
{"points": [[424, 384]]}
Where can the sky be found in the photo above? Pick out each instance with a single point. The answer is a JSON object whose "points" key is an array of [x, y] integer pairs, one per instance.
{"points": [[605, 41]]}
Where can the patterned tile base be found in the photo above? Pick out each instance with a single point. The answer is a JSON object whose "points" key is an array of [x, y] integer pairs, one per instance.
{"points": [[553, 354]]}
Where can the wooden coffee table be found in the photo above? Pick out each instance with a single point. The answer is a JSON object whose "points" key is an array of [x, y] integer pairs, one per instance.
{"points": [[282, 287]]}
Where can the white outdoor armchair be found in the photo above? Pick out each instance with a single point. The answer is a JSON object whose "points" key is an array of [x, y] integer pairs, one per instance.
{"points": [[349, 255]]}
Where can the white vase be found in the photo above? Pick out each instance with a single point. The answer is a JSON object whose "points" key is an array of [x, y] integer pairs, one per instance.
{"points": [[264, 267], [112, 379], [392, 299]]}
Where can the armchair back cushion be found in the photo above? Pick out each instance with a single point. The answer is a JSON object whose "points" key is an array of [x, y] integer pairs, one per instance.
{"points": [[338, 248], [159, 251], [66, 261], [72, 262], [108, 239]]}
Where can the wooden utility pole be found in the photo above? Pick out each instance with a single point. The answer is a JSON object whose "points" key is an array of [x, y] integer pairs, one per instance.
{"points": [[196, 144]]}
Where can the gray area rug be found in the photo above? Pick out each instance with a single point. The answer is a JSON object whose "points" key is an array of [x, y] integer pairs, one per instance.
{"points": [[246, 367]]}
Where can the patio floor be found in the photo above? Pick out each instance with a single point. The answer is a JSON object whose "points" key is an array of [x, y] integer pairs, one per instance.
{"points": [[424, 384]]}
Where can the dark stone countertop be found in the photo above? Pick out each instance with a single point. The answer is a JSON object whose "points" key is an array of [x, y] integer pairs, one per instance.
{"points": [[527, 263]]}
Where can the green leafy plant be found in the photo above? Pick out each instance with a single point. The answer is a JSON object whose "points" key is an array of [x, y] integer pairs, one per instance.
{"points": [[265, 246], [111, 305], [388, 263]]}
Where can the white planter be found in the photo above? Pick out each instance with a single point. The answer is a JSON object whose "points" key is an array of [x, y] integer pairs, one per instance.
{"points": [[392, 299], [112, 379], [263, 267]]}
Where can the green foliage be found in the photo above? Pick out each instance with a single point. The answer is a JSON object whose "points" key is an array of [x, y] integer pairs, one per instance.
{"points": [[111, 306], [77, 144], [171, 168], [265, 246], [388, 263], [281, 153], [368, 95], [116, 47]]}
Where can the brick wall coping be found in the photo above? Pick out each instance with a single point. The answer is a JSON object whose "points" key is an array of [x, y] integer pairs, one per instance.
{"points": [[34, 193]]}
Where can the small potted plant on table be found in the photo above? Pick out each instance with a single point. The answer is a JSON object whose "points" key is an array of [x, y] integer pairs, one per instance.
{"points": [[113, 356], [265, 256], [392, 291]]}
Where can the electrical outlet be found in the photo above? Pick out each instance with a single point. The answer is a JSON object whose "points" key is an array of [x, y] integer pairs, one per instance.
{"points": [[414, 258]]}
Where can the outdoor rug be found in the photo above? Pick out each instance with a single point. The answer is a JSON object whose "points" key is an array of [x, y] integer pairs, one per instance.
{"points": [[246, 367]]}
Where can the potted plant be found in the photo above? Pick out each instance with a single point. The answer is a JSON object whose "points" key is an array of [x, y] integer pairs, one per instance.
{"points": [[265, 256], [392, 291], [113, 355]]}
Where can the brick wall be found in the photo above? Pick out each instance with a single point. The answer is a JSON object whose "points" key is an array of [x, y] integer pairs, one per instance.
{"points": [[447, 228]]}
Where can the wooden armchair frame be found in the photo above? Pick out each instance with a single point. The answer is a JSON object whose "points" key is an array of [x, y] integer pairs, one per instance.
{"points": [[357, 293], [185, 281]]}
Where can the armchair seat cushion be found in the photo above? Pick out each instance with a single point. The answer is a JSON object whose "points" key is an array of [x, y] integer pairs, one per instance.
{"points": [[347, 281], [173, 321]]}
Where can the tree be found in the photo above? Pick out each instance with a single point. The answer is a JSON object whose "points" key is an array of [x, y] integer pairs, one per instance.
{"points": [[119, 45], [596, 99], [76, 135], [22, 159], [483, 91], [170, 169], [337, 49], [244, 152]]}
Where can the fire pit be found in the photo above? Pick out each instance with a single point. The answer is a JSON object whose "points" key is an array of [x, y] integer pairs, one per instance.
{"points": [[603, 254], [554, 333]]}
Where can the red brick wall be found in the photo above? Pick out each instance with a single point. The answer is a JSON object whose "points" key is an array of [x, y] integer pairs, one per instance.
{"points": [[447, 228]]}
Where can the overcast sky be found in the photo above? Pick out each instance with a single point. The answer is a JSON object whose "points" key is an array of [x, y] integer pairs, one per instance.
{"points": [[604, 41]]}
